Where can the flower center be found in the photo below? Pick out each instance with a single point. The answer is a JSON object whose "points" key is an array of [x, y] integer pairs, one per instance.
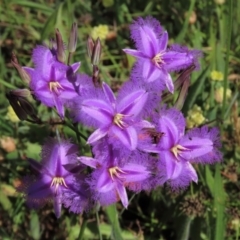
{"points": [[57, 181], [54, 87], [178, 149], [114, 172], [118, 120], [157, 59]]}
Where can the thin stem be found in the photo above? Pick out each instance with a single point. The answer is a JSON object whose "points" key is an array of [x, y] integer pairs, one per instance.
{"points": [[228, 45], [98, 226], [78, 134], [69, 58], [84, 224]]}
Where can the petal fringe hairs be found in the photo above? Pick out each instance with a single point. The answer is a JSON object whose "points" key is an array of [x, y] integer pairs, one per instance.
{"points": [[129, 126]]}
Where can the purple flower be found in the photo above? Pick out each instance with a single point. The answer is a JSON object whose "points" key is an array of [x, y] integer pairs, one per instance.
{"points": [[112, 175], [52, 82], [115, 117], [177, 151], [53, 181], [155, 60]]}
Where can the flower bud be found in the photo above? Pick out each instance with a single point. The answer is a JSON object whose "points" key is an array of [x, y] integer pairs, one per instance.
{"points": [[183, 93], [90, 46], [21, 106], [96, 52], [61, 57], [21, 92], [22, 73], [72, 43]]}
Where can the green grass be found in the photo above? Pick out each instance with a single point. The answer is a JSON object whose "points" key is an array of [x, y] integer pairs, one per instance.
{"points": [[159, 214]]}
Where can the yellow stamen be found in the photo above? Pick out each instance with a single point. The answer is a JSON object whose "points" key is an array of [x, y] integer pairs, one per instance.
{"points": [[54, 86], [57, 181], [176, 150], [118, 120], [157, 59], [114, 171]]}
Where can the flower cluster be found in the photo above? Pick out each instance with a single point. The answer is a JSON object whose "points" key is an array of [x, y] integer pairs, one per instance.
{"points": [[138, 142]]}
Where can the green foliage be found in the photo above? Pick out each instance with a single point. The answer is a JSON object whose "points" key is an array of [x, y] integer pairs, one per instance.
{"points": [[161, 214]]}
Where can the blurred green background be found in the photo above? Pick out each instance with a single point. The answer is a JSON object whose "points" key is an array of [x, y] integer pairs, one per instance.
{"points": [[207, 210]]}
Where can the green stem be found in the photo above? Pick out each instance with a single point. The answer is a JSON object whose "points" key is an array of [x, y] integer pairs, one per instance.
{"points": [[98, 226], [228, 45], [84, 224], [183, 32]]}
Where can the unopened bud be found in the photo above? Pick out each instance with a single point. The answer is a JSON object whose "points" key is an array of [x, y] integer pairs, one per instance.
{"points": [[21, 92], [179, 82], [72, 43], [21, 106], [183, 76], [90, 46], [61, 57], [96, 52], [182, 95], [22, 73]]}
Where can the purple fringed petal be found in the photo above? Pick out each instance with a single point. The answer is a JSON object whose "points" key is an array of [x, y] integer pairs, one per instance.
{"points": [[40, 189], [91, 162], [171, 133], [135, 172], [75, 66], [162, 42], [145, 33], [188, 174], [109, 94], [43, 60], [127, 136], [59, 106], [98, 110], [29, 70], [212, 135], [145, 124], [169, 83], [39, 167], [133, 103], [57, 206], [98, 134], [104, 182], [76, 197], [135, 53], [150, 72], [175, 61], [197, 147], [122, 193], [173, 167]]}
